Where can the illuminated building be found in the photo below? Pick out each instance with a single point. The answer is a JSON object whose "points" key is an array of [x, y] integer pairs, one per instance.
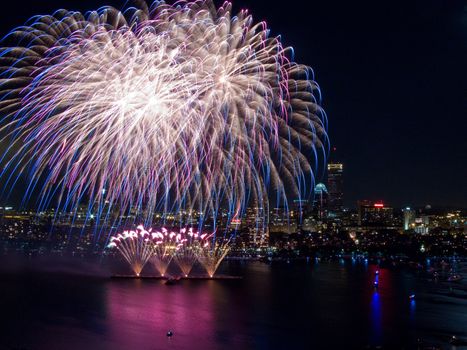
{"points": [[360, 205], [321, 200], [421, 225], [335, 187], [409, 217], [256, 226], [300, 207], [281, 222], [374, 214]]}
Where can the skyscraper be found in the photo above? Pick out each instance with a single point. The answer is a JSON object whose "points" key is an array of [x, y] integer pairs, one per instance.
{"points": [[321, 200], [409, 217], [335, 187]]}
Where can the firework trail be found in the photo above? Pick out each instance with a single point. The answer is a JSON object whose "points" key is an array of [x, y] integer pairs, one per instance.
{"points": [[211, 255], [186, 253], [165, 246], [167, 108], [135, 246]]}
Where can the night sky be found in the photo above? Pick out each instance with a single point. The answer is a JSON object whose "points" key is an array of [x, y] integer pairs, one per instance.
{"points": [[394, 83]]}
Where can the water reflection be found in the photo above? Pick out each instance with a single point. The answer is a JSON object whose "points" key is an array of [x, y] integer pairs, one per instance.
{"points": [[412, 310], [274, 307], [140, 315], [376, 319]]}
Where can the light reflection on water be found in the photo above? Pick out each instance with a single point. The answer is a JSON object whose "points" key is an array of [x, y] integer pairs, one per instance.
{"points": [[320, 306], [376, 321]]}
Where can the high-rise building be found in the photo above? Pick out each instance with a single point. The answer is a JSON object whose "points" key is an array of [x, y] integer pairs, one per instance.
{"points": [[321, 196], [300, 207], [255, 224], [335, 187], [409, 217], [360, 205]]}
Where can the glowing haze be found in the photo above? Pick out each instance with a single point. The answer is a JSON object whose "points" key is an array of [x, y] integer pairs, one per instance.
{"points": [[162, 108]]}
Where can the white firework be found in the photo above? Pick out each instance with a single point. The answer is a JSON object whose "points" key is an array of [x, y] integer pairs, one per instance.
{"points": [[181, 107]]}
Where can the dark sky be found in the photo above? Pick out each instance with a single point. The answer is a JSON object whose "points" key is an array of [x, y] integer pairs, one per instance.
{"points": [[394, 82]]}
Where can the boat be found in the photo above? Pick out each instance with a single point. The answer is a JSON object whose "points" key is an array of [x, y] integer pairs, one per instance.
{"points": [[456, 341], [454, 278]]}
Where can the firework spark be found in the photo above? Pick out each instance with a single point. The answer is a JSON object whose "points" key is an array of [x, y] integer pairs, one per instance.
{"points": [[186, 253], [181, 107], [135, 246], [161, 246], [211, 255], [165, 246]]}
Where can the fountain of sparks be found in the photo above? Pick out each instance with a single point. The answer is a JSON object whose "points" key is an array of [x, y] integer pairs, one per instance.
{"points": [[164, 247], [187, 250], [135, 246], [211, 254]]}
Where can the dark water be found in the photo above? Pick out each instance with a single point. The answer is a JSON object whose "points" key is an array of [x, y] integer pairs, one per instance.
{"points": [[316, 306]]}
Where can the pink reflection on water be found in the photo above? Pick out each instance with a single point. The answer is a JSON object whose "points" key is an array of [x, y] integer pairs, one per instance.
{"points": [[139, 315]]}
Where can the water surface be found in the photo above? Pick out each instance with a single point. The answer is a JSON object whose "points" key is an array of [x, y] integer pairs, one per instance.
{"points": [[313, 306]]}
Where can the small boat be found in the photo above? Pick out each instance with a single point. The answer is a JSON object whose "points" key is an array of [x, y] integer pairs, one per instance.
{"points": [[456, 341], [454, 278]]}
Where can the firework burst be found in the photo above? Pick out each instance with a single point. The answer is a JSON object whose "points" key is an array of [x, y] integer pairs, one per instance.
{"points": [[135, 246], [171, 108]]}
